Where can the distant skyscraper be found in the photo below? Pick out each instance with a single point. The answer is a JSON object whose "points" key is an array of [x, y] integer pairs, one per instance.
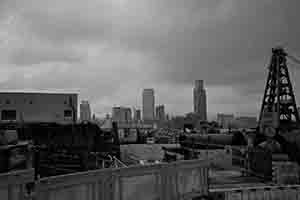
{"points": [[167, 117], [137, 115], [200, 106], [128, 115], [160, 113], [148, 104], [121, 114], [85, 111]]}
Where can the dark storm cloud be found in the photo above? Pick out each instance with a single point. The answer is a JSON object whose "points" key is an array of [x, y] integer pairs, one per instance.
{"points": [[225, 42], [30, 56], [216, 45]]}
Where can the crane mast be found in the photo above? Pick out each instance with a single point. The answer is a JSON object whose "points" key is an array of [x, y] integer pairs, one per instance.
{"points": [[278, 109]]}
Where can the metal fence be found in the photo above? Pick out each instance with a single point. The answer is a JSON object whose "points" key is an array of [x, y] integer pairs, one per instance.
{"points": [[179, 180], [182, 180]]}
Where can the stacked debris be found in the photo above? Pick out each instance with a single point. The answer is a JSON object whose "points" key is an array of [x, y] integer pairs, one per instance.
{"points": [[285, 173], [14, 154], [71, 148], [166, 136]]}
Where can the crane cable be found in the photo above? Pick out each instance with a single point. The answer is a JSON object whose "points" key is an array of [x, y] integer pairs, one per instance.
{"points": [[293, 58], [296, 60], [295, 66]]}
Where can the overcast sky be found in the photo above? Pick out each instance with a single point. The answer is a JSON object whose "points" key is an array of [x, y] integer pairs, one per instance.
{"points": [[109, 50]]}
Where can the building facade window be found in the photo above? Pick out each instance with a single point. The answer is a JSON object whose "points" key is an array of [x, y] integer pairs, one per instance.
{"points": [[68, 113], [7, 101], [8, 115]]}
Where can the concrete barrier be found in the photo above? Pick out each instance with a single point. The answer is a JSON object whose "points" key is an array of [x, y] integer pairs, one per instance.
{"points": [[12, 184], [173, 181]]}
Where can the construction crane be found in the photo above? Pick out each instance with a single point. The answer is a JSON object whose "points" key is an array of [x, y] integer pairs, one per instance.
{"points": [[279, 109], [279, 116]]}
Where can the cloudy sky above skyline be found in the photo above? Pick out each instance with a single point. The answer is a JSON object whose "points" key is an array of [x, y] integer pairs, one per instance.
{"points": [[109, 50]]}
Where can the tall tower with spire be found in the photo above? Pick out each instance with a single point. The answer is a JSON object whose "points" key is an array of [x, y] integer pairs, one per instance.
{"points": [[200, 105]]}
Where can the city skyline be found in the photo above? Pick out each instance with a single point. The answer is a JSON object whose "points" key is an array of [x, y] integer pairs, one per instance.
{"points": [[108, 51]]}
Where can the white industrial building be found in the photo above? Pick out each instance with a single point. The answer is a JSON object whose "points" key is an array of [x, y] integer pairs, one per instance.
{"points": [[33, 107]]}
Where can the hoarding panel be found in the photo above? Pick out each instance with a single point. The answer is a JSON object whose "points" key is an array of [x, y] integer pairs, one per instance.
{"points": [[139, 187], [234, 195]]}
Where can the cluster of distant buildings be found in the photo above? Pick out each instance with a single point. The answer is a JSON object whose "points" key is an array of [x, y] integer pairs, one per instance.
{"points": [[149, 113], [228, 121]]}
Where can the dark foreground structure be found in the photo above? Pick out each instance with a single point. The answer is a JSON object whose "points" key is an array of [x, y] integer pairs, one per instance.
{"points": [[69, 148]]}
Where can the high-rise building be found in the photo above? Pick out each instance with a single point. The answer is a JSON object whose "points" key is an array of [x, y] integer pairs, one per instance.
{"points": [[85, 111], [200, 106], [148, 104], [121, 114], [225, 120], [137, 115], [160, 113], [128, 115]]}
